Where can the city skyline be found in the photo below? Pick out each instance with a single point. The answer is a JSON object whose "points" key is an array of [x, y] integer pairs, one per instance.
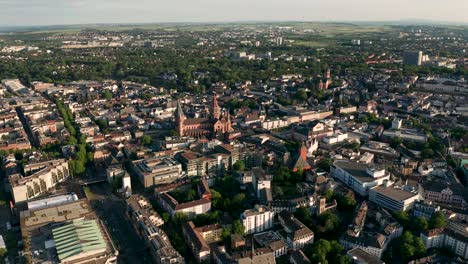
{"points": [[68, 12]]}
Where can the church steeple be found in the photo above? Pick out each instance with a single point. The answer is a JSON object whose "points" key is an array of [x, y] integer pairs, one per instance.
{"points": [[215, 109], [179, 114], [179, 118]]}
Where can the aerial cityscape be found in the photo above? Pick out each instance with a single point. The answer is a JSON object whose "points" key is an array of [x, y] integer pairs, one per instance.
{"points": [[269, 140]]}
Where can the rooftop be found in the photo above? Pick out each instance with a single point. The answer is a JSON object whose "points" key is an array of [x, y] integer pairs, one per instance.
{"points": [[78, 237], [394, 193], [60, 213]]}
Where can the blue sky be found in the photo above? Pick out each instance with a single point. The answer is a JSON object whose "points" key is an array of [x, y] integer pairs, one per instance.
{"points": [[53, 12]]}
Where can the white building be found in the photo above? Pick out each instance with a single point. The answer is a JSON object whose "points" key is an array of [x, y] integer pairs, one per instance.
{"points": [[393, 199], [359, 177], [335, 138], [44, 177], [445, 238], [396, 123], [257, 219]]}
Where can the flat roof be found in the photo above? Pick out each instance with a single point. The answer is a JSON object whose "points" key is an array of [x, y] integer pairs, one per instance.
{"points": [[60, 213], [394, 193], [358, 170], [364, 257]]}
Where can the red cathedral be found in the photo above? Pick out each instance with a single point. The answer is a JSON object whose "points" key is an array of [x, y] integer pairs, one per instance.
{"points": [[218, 122]]}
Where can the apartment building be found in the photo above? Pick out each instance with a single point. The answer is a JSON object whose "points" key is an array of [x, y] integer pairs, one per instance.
{"points": [[446, 238], [257, 219], [41, 178], [146, 222]]}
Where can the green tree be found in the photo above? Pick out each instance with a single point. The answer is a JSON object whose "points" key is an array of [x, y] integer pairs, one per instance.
{"points": [[166, 217], [301, 95], [226, 234], [107, 95], [238, 200], [72, 141], [239, 165], [427, 153], [3, 253], [304, 215], [402, 217], [420, 224], [328, 221], [282, 174], [438, 220], [419, 247], [180, 218], [146, 140], [318, 252], [238, 228], [325, 164]]}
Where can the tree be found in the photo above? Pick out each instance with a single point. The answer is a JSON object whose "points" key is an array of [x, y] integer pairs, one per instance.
{"points": [[407, 251], [72, 141], [77, 167], [396, 141], [107, 95], [226, 234], [419, 247], [146, 140], [438, 220], [329, 221], [324, 251], [239, 165], [3, 253], [402, 217], [301, 95], [427, 153], [411, 246], [180, 218], [166, 217], [325, 164], [304, 215], [282, 174], [420, 224], [345, 202], [191, 195], [238, 200], [238, 228], [328, 195]]}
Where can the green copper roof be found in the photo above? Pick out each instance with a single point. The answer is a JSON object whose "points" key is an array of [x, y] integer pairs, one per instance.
{"points": [[79, 236]]}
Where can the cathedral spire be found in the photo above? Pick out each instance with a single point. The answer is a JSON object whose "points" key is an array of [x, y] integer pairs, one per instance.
{"points": [[215, 109], [179, 115]]}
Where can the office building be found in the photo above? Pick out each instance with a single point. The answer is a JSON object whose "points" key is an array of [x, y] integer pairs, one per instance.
{"points": [[393, 199], [360, 177], [159, 170]]}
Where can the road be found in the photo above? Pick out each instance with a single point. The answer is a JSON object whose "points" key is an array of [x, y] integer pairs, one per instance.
{"points": [[111, 209]]}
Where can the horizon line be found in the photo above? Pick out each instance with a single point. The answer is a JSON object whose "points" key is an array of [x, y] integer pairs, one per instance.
{"points": [[399, 21]]}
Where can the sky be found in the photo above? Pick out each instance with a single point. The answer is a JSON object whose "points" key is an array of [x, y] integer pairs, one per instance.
{"points": [[62, 12]]}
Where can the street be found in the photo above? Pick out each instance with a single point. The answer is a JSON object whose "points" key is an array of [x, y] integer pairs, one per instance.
{"points": [[111, 210]]}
